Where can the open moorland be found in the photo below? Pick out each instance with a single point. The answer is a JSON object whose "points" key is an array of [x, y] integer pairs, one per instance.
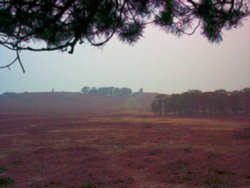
{"points": [[123, 147]]}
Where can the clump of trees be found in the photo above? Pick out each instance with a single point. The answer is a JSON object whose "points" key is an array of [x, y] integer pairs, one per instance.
{"points": [[107, 91], [219, 102]]}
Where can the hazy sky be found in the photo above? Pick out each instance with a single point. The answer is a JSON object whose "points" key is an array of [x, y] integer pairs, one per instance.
{"points": [[159, 62]]}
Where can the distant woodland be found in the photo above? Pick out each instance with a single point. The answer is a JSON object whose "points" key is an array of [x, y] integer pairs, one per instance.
{"points": [[109, 91], [197, 102]]}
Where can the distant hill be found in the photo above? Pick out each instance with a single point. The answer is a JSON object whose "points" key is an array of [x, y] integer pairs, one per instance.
{"points": [[73, 102]]}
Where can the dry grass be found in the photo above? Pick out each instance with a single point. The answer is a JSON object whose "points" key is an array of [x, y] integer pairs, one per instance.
{"points": [[206, 123], [125, 151]]}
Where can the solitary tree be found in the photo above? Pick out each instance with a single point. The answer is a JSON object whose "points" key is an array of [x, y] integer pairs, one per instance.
{"points": [[157, 105], [85, 89], [61, 24]]}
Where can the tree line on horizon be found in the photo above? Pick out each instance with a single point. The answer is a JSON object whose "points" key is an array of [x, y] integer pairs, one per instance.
{"points": [[219, 102], [109, 91]]}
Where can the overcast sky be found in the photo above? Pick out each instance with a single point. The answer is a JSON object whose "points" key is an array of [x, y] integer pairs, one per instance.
{"points": [[159, 62]]}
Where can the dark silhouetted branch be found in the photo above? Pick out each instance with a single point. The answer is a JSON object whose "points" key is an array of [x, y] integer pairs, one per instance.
{"points": [[9, 65], [194, 30], [63, 24], [19, 60]]}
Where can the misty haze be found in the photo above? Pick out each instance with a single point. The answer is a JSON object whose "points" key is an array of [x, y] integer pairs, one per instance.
{"points": [[125, 94]]}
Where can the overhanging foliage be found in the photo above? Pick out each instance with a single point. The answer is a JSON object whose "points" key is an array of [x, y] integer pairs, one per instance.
{"points": [[61, 24]]}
